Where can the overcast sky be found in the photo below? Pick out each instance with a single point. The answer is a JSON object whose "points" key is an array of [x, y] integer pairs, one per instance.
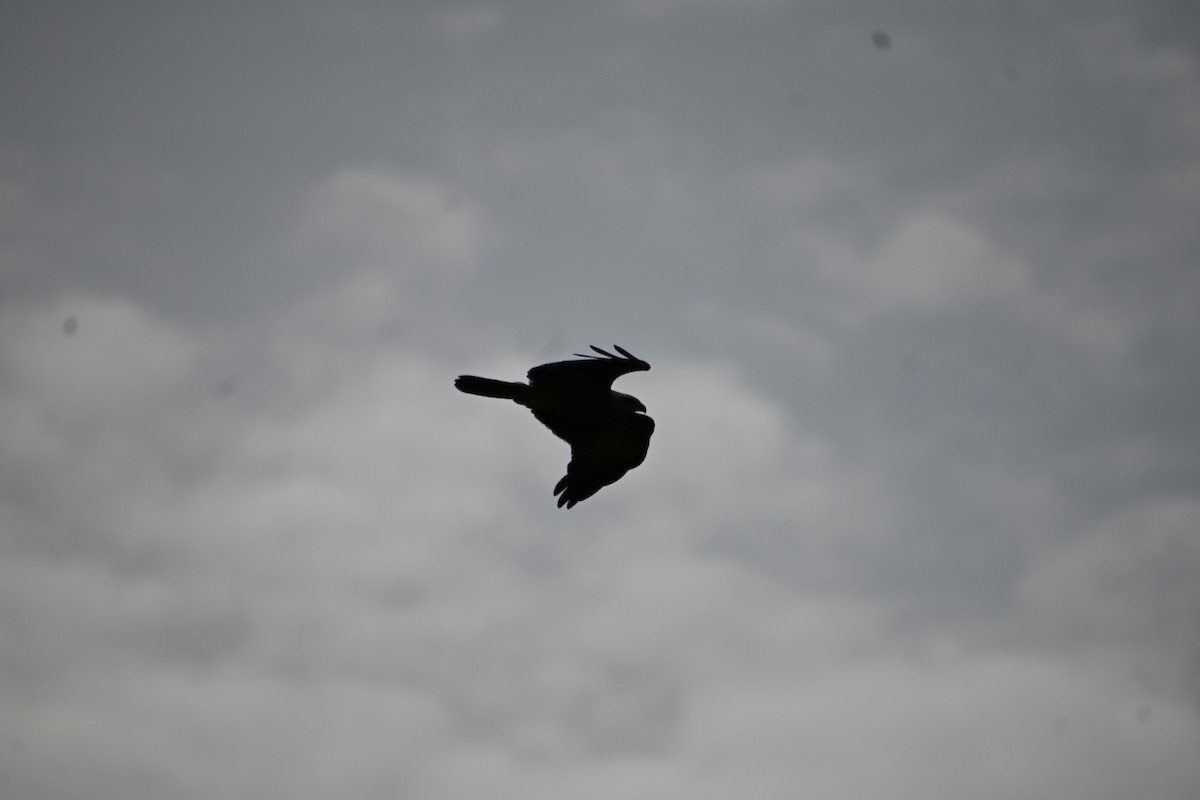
{"points": [[919, 283]]}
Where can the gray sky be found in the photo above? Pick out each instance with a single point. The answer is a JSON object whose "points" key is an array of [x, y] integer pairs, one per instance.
{"points": [[919, 284]]}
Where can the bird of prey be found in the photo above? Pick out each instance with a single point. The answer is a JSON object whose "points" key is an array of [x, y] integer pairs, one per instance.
{"points": [[608, 431]]}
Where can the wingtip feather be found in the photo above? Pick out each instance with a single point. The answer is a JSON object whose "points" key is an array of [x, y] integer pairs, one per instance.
{"points": [[625, 354]]}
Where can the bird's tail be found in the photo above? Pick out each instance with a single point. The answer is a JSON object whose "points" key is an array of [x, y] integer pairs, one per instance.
{"points": [[487, 387]]}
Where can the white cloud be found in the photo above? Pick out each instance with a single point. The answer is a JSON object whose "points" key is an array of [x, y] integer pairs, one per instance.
{"points": [[662, 8], [367, 548], [116, 356], [1127, 575], [968, 723], [418, 226], [799, 185], [468, 22], [927, 263]]}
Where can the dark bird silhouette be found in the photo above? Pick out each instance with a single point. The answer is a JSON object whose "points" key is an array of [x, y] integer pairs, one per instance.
{"points": [[608, 431]]}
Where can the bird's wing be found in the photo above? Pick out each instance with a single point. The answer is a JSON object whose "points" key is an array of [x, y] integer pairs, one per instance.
{"points": [[589, 372], [600, 455]]}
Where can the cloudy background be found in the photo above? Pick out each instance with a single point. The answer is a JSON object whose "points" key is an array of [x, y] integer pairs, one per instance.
{"points": [[919, 284]]}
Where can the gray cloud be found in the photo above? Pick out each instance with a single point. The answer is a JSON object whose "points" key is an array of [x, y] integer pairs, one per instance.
{"points": [[919, 514]]}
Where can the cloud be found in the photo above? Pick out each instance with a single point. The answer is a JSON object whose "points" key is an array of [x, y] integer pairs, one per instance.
{"points": [[976, 717], [366, 537], [656, 9], [378, 215], [468, 22], [1127, 578], [917, 518], [926, 264]]}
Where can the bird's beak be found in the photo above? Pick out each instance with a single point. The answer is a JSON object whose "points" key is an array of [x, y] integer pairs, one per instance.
{"points": [[641, 407]]}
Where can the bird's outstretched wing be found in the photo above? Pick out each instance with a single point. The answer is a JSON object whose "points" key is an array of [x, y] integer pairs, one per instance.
{"points": [[602, 455], [594, 372], [608, 431]]}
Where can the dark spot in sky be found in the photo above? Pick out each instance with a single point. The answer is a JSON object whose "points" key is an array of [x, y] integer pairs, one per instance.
{"points": [[797, 99], [1145, 714], [70, 326], [881, 40], [226, 388]]}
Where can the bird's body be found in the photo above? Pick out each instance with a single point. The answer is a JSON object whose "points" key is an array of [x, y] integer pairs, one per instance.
{"points": [[608, 431]]}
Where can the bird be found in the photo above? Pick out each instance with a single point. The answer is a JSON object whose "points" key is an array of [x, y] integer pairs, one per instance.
{"points": [[608, 431]]}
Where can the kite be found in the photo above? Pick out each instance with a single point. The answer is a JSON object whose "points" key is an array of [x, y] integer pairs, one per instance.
{"points": [[608, 431]]}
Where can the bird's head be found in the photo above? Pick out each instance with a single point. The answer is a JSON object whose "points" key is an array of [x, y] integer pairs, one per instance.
{"points": [[629, 403]]}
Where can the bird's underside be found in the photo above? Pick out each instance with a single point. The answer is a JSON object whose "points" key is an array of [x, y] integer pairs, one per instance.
{"points": [[608, 431]]}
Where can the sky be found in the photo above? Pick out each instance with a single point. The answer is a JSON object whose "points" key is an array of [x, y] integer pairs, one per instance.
{"points": [[918, 281]]}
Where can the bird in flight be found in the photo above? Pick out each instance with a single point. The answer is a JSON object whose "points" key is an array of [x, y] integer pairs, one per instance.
{"points": [[608, 431]]}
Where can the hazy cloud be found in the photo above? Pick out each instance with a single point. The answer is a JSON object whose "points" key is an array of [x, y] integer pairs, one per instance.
{"points": [[919, 515]]}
